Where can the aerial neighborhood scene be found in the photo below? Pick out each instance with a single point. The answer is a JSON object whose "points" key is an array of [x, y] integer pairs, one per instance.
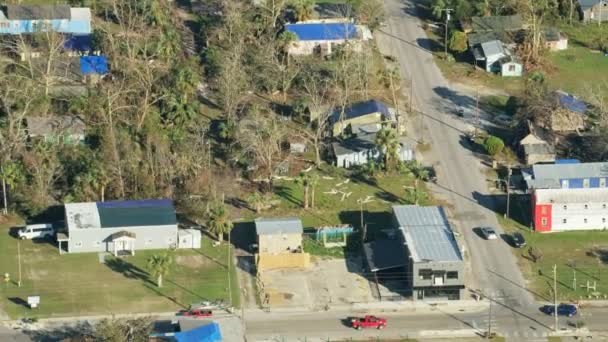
{"points": [[303, 170]]}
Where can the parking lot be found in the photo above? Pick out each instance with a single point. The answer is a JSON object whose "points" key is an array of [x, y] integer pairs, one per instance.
{"points": [[328, 282]]}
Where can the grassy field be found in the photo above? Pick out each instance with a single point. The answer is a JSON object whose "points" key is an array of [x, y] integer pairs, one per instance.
{"points": [[578, 70], [570, 252], [78, 284]]}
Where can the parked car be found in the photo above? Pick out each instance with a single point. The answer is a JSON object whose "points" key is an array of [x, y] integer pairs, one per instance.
{"points": [[460, 112], [36, 231], [488, 233], [562, 310], [196, 313], [518, 240], [368, 322]]}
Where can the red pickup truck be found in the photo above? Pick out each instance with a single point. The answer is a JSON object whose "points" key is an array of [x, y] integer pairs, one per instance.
{"points": [[196, 313], [368, 322]]}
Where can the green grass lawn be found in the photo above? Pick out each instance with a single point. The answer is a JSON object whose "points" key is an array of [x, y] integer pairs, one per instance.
{"points": [[78, 284], [578, 70], [567, 250]]}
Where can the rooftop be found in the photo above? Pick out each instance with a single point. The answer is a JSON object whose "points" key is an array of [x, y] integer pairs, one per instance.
{"points": [[571, 102], [41, 12], [364, 142], [323, 31], [585, 4], [549, 175], [592, 195], [496, 23], [427, 233], [42, 125], [278, 225], [493, 48], [116, 214], [363, 108], [94, 65]]}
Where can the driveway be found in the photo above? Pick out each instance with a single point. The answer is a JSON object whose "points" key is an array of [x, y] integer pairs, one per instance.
{"points": [[461, 179]]}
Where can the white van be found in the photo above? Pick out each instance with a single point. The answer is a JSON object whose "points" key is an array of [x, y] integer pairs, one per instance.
{"points": [[36, 231]]}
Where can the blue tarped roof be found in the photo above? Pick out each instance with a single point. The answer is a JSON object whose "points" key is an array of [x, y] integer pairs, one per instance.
{"points": [[323, 31], [571, 103], [567, 161], [78, 43], [94, 65], [136, 203], [362, 108], [206, 333]]}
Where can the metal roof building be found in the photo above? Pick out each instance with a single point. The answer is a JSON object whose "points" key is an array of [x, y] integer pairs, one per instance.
{"points": [[278, 225], [120, 226], [427, 233], [571, 175]]}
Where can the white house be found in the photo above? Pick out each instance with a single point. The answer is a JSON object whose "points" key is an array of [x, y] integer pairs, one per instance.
{"points": [[494, 57], [361, 149], [570, 209]]}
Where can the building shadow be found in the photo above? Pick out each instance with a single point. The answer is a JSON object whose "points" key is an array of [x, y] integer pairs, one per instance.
{"points": [[128, 270], [519, 205], [376, 222]]}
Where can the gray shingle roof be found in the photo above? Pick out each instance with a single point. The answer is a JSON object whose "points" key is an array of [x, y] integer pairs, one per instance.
{"points": [[41, 12], [496, 23], [427, 233], [278, 225]]}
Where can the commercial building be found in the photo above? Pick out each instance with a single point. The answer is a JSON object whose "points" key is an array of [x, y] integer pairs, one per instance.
{"points": [[566, 174], [556, 210], [23, 19], [427, 251], [119, 227]]}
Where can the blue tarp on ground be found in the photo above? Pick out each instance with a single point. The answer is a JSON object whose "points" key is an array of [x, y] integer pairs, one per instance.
{"points": [[94, 65], [323, 31], [572, 103], [78, 43], [206, 333]]}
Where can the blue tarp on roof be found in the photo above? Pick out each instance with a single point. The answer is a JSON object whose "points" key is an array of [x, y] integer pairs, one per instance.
{"points": [[323, 31], [206, 333], [567, 161], [79, 43], [147, 203], [362, 108], [94, 65], [572, 103]]}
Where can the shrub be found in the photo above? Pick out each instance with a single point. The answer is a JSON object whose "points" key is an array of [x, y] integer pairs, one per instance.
{"points": [[458, 41], [493, 145]]}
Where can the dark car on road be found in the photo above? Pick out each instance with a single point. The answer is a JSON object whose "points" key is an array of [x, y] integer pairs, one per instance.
{"points": [[562, 310], [488, 233], [518, 240]]}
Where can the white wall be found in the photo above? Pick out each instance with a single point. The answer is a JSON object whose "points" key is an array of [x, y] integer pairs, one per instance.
{"points": [[579, 217]]}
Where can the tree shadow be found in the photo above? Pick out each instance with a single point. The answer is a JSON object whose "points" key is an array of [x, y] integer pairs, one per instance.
{"points": [[389, 197], [430, 45], [128, 270], [376, 222], [519, 205], [243, 235], [287, 194]]}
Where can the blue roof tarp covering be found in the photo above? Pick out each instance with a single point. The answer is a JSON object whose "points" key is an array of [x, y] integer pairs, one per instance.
{"points": [[206, 333], [572, 103], [567, 161], [362, 108], [79, 43], [323, 31], [94, 65]]}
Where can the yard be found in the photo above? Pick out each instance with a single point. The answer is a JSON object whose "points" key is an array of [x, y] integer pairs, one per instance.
{"points": [[79, 284], [337, 201], [573, 254]]}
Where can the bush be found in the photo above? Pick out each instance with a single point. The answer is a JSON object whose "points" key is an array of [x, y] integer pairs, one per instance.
{"points": [[458, 41], [493, 145]]}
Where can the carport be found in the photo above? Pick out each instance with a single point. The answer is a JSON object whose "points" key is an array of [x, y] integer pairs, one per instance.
{"points": [[387, 259]]}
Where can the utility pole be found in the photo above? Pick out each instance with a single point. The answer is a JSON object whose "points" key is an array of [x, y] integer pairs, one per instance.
{"points": [[508, 191], [5, 210], [555, 296], [229, 275], [490, 319], [447, 19], [19, 261]]}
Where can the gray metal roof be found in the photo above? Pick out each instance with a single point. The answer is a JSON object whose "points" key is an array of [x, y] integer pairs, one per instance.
{"points": [[427, 233], [585, 4], [278, 225], [39, 12], [493, 48], [570, 196], [549, 175]]}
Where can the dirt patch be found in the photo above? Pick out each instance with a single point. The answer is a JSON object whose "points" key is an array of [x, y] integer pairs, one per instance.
{"points": [[192, 261], [38, 274]]}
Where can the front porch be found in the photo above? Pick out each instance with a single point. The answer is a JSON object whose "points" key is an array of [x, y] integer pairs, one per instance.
{"points": [[123, 243]]}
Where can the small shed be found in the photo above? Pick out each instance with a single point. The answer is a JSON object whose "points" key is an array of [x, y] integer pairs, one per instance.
{"points": [[536, 150], [510, 67], [189, 238], [555, 40]]}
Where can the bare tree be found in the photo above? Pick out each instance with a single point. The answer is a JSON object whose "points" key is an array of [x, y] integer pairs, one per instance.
{"points": [[233, 82]]}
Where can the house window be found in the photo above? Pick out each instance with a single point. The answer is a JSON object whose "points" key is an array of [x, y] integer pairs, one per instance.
{"points": [[586, 206], [602, 182], [148, 241], [564, 221], [586, 183], [543, 222], [425, 274], [603, 206], [543, 210], [565, 207], [78, 244], [565, 184], [97, 243], [451, 275], [585, 220], [603, 220], [511, 67]]}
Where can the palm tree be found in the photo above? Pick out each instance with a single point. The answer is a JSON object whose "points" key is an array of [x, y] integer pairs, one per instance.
{"points": [[304, 9], [386, 140], [304, 179], [159, 265], [256, 200], [420, 173], [218, 222], [437, 8]]}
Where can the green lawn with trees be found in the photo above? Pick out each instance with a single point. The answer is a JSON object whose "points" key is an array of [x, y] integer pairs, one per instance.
{"points": [[79, 284]]}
